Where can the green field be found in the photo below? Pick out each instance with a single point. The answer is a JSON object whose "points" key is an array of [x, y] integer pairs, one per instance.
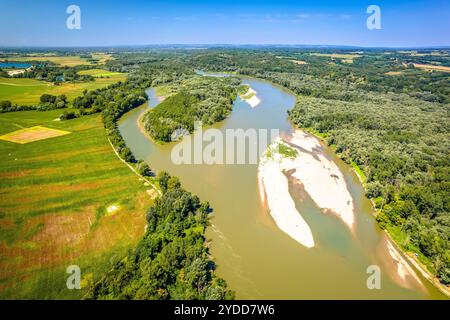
{"points": [[28, 91], [345, 57], [55, 205], [99, 73]]}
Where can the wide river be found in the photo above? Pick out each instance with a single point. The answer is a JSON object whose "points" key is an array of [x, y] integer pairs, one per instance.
{"points": [[257, 259]]}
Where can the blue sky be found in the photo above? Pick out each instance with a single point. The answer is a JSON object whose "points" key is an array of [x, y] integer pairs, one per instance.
{"points": [[108, 23]]}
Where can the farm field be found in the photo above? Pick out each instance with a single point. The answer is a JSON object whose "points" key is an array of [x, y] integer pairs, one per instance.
{"points": [[65, 200], [432, 67], [69, 61], [32, 134], [345, 57], [28, 91], [99, 73], [102, 57]]}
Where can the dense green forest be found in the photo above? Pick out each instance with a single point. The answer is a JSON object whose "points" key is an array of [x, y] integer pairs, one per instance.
{"points": [[171, 261], [402, 147], [205, 99]]}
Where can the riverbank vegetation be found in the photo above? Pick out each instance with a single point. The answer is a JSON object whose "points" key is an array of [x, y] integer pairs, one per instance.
{"points": [[171, 261]]}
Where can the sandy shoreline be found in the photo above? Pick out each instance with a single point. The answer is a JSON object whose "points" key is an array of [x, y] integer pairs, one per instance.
{"points": [[275, 193], [403, 268], [322, 178], [253, 101], [418, 268]]}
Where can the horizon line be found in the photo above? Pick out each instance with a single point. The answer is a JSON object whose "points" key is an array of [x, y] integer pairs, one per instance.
{"points": [[212, 45]]}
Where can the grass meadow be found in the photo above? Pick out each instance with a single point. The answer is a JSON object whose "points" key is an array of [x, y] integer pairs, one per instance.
{"points": [[98, 73], [55, 196]]}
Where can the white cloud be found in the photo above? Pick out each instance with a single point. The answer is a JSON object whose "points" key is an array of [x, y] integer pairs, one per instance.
{"points": [[304, 15], [345, 16]]}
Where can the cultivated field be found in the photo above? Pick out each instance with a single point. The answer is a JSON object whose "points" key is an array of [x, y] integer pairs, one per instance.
{"points": [[32, 134], [432, 67], [69, 61], [347, 57], [298, 62], [66, 200], [97, 73], [28, 91], [394, 73]]}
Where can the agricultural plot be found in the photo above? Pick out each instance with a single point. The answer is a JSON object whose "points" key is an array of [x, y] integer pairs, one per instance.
{"points": [[64, 201], [68, 61], [28, 91], [431, 67], [32, 134], [97, 73], [347, 57]]}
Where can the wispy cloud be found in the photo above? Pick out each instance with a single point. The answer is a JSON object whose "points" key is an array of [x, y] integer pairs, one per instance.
{"points": [[285, 18], [304, 15], [345, 16], [184, 18], [217, 15]]}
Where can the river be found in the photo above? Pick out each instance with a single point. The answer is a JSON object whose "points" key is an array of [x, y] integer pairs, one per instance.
{"points": [[257, 259]]}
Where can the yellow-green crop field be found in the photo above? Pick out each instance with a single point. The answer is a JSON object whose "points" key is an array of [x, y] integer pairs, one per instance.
{"points": [[99, 73], [27, 135]]}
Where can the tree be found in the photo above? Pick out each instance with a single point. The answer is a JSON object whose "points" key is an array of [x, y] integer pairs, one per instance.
{"points": [[144, 169], [67, 115], [163, 178], [126, 154], [5, 104]]}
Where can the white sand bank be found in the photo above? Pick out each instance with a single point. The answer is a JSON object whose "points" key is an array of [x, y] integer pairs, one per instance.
{"points": [[322, 178], [274, 191], [253, 101]]}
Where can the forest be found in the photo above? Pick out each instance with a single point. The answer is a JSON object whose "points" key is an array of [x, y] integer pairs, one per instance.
{"points": [[205, 99]]}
